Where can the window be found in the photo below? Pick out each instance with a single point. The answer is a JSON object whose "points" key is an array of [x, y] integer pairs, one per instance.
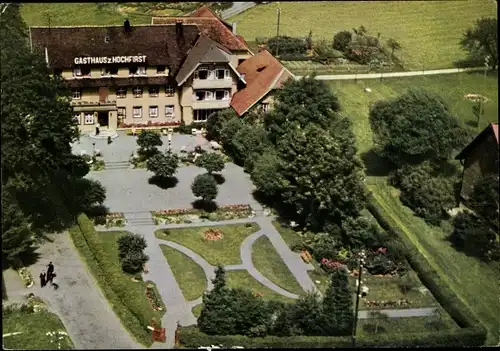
{"points": [[222, 73], [222, 95], [81, 72], [160, 69], [121, 93], [78, 118], [89, 118], [137, 91], [169, 111], [153, 91], [121, 112], [202, 115], [169, 91], [77, 72], [137, 112], [265, 107], [240, 61], [141, 70], [209, 95], [77, 94], [153, 111], [109, 71], [201, 73], [132, 70]]}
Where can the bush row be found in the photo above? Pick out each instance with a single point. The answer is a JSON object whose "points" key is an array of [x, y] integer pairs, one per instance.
{"points": [[286, 57], [473, 333], [88, 244], [191, 337]]}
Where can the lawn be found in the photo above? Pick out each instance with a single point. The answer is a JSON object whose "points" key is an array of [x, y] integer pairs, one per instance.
{"points": [[225, 251], [475, 282], [127, 298], [189, 275], [355, 102], [34, 328], [271, 265], [428, 31]]}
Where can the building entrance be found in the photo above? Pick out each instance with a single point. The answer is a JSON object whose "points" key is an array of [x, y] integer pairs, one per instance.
{"points": [[103, 119]]}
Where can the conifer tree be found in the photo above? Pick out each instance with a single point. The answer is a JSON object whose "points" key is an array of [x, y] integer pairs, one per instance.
{"points": [[337, 305]]}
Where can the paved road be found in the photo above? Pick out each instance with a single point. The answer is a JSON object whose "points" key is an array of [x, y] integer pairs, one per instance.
{"points": [[237, 8], [89, 319], [393, 74]]}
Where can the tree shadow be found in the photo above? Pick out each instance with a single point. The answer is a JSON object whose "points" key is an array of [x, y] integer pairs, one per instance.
{"points": [[207, 206], [97, 211], [163, 182], [469, 62], [219, 178], [375, 165], [285, 213], [25, 259], [472, 123]]}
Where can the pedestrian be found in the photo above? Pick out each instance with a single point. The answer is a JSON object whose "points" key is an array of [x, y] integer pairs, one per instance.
{"points": [[97, 126], [50, 271], [54, 282], [43, 280]]}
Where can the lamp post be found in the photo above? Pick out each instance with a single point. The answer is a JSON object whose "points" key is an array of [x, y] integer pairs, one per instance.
{"points": [[169, 138], [362, 256]]}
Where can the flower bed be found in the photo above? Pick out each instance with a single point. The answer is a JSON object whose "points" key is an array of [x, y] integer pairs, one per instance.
{"points": [[331, 265], [113, 219], [153, 298], [186, 215], [26, 276], [149, 124], [388, 303]]}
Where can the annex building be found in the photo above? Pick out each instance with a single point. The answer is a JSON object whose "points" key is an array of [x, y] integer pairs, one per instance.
{"points": [[182, 69]]}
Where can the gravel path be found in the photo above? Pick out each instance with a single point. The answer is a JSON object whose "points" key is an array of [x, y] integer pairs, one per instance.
{"points": [[79, 303]]}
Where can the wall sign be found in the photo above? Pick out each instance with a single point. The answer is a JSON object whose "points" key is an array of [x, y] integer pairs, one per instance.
{"points": [[109, 59]]}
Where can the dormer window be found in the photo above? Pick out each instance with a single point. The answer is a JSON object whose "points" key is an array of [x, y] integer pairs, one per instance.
{"points": [[160, 69], [106, 39]]}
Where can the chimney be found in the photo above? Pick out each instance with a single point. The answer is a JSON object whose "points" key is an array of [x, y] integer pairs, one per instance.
{"points": [[126, 26], [234, 28], [179, 29]]}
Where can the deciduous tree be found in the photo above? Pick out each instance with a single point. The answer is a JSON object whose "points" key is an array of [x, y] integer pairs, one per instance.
{"points": [[482, 40], [163, 165], [204, 186], [484, 198], [148, 141], [216, 122], [211, 161]]}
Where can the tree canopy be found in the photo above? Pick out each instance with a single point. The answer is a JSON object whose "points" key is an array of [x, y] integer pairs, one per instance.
{"points": [[416, 126], [163, 165], [482, 40], [204, 186], [211, 161]]}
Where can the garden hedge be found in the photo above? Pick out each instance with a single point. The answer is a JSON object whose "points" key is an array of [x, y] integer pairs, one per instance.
{"points": [[191, 337], [472, 329], [287, 57], [88, 244]]}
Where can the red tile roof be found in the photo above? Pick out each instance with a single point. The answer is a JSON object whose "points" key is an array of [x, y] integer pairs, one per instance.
{"points": [[262, 72], [211, 25]]}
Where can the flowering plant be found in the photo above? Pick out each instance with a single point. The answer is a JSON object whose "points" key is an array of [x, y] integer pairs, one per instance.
{"points": [[153, 298], [186, 211], [114, 215], [149, 124], [26, 277], [329, 265]]}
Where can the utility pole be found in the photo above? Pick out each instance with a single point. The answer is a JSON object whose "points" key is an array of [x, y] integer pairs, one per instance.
{"points": [[278, 13]]}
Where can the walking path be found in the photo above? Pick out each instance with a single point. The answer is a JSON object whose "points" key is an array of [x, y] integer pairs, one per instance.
{"points": [[401, 313], [237, 8], [79, 303], [394, 74]]}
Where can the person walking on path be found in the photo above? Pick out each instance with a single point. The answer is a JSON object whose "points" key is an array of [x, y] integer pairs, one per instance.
{"points": [[43, 280], [50, 271]]}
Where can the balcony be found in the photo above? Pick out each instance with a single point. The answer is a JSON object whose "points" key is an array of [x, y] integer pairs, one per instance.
{"points": [[83, 106], [210, 104], [212, 83]]}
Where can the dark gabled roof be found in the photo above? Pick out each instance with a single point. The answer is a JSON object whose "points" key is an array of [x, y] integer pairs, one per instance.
{"points": [[492, 129], [160, 44], [203, 51], [263, 73]]}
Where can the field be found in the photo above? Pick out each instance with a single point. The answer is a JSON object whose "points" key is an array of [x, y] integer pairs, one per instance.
{"points": [[428, 31], [34, 328], [474, 282]]}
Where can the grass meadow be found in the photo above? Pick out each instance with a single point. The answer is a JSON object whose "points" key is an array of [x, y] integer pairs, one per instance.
{"points": [[428, 31]]}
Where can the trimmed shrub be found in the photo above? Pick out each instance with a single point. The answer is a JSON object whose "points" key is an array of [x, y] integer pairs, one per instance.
{"points": [[473, 332], [287, 45], [134, 261], [130, 243]]}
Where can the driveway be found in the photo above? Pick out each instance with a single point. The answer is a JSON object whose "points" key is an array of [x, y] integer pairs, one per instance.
{"points": [[129, 191]]}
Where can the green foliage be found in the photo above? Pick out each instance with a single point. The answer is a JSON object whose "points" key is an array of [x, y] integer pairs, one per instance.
{"points": [[88, 194], [341, 40], [307, 315], [229, 130], [325, 53], [359, 232], [337, 305], [163, 165], [475, 236], [482, 40], [204, 186], [414, 127], [211, 161], [472, 331], [285, 45], [393, 45], [309, 41], [134, 261], [148, 140], [484, 199], [129, 243], [323, 245], [216, 122], [18, 242], [247, 140], [267, 174], [426, 193]]}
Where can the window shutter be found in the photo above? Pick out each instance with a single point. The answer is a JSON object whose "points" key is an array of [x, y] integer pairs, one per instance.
{"points": [[226, 94]]}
